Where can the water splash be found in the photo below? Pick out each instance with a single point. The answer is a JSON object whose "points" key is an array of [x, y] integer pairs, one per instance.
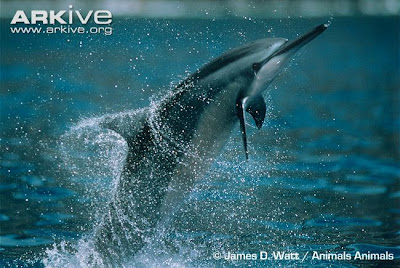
{"points": [[329, 22], [94, 157]]}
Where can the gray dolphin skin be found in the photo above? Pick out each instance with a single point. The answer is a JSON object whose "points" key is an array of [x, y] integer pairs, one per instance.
{"points": [[171, 144]]}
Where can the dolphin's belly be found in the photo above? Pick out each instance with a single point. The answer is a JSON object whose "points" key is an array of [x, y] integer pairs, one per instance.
{"points": [[211, 132]]}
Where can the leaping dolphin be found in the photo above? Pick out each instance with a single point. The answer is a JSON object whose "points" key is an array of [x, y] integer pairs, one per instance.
{"points": [[172, 144]]}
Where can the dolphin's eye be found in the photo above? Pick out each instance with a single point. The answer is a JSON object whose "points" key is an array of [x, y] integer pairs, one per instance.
{"points": [[256, 67]]}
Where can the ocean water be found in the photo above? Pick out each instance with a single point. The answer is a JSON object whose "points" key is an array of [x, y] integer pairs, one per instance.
{"points": [[323, 174]]}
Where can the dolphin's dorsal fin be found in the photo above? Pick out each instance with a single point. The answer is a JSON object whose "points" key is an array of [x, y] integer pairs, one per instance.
{"points": [[127, 124], [258, 109], [241, 116]]}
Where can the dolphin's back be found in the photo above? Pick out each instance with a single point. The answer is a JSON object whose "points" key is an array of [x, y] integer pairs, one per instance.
{"points": [[230, 57]]}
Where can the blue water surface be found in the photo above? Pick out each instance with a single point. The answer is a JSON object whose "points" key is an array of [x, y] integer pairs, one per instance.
{"points": [[323, 173]]}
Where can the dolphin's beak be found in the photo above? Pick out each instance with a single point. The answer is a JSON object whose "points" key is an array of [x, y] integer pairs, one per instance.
{"points": [[292, 47]]}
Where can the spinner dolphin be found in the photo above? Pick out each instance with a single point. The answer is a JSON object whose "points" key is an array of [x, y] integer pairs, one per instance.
{"points": [[172, 144]]}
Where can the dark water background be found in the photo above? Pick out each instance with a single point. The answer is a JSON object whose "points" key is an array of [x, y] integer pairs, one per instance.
{"points": [[323, 174]]}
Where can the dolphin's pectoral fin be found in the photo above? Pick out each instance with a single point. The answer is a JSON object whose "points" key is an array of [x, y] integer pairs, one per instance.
{"points": [[257, 108], [240, 114]]}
